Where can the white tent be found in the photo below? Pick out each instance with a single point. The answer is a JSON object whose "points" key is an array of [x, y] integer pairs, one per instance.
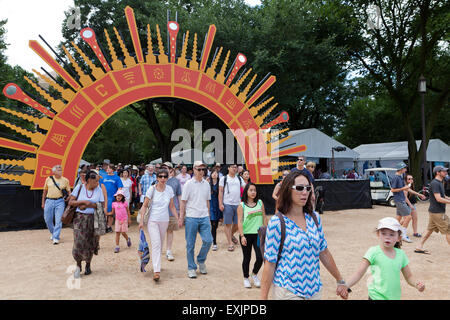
{"points": [[437, 151], [389, 154], [318, 145]]}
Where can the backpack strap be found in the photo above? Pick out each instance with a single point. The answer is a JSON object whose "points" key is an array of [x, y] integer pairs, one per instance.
{"points": [[283, 236], [54, 182]]}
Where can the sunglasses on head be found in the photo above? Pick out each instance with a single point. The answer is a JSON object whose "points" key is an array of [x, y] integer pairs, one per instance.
{"points": [[163, 176], [302, 187]]}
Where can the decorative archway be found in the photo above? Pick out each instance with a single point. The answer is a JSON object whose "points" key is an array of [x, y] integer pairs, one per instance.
{"points": [[72, 120]]}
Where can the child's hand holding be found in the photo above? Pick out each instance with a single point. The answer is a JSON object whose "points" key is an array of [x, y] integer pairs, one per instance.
{"points": [[420, 286]]}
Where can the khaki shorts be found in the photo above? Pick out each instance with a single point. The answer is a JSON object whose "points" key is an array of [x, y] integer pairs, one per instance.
{"points": [[439, 222], [173, 224]]}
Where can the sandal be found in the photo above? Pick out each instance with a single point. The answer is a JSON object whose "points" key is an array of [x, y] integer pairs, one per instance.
{"points": [[422, 251], [230, 248], [234, 240], [417, 235], [156, 276]]}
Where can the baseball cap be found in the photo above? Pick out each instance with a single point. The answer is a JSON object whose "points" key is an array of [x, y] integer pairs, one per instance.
{"points": [[119, 192], [400, 166], [198, 163], [107, 161], [135, 168], [217, 164], [168, 164], [389, 223], [439, 168]]}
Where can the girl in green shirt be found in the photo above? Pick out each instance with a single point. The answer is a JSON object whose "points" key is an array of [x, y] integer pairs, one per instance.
{"points": [[386, 261], [251, 216]]}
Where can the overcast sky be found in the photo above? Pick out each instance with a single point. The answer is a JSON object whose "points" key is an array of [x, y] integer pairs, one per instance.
{"points": [[27, 19]]}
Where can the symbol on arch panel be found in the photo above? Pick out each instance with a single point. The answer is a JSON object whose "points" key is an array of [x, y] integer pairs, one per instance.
{"points": [[231, 103], [59, 139], [211, 87], [129, 77], [46, 171], [158, 74], [77, 112], [186, 77]]}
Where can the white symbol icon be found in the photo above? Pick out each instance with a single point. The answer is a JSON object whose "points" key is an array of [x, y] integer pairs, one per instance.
{"points": [[74, 21], [373, 19], [88, 34], [71, 282], [173, 26]]}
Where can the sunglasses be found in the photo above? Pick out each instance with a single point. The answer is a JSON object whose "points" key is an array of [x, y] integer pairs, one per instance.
{"points": [[201, 169], [163, 176], [302, 187]]}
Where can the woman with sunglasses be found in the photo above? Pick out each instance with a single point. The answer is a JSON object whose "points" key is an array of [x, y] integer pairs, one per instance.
{"points": [[85, 197], [161, 197], [411, 200], [295, 274]]}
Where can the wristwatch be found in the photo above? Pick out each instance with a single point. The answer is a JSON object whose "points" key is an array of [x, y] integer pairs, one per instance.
{"points": [[339, 282]]}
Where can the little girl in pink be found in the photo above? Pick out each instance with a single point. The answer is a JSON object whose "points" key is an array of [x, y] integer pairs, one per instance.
{"points": [[123, 218]]}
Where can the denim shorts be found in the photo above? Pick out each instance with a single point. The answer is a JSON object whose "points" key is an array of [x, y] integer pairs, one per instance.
{"points": [[403, 209], [230, 214]]}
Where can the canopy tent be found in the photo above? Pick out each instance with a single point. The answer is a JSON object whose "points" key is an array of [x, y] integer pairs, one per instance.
{"points": [[437, 151], [389, 154], [318, 145]]}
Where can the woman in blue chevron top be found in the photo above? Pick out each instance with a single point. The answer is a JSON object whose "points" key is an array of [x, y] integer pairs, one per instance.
{"points": [[295, 272]]}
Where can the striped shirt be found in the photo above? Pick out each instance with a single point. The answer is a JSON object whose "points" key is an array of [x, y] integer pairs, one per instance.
{"points": [[298, 268], [146, 182]]}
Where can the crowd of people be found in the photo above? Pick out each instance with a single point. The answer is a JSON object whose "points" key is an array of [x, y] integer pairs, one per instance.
{"points": [[166, 197]]}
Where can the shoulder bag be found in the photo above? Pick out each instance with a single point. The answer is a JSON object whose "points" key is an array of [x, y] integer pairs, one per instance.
{"points": [[69, 212]]}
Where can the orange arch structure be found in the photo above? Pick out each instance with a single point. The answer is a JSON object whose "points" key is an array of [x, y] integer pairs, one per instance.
{"points": [[71, 120]]}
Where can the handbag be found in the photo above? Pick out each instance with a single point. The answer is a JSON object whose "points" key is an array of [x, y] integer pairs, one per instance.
{"points": [[69, 212], [64, 191], [147, 213]]}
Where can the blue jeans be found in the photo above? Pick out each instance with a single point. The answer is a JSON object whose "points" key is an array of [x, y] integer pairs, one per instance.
{"points": [[54, 209], [202, 226]]}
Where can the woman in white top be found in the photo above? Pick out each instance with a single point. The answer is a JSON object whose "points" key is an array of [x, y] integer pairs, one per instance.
{"points": [[161, 198], [127, 184]]}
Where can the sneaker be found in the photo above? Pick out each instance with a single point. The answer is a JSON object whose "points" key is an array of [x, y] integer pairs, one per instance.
{"points": [[202, 268], [214, 248], [247, 283], [192, 274], [51, 237], [116, 250], [109, 229], [406, 239], [55, 241], [169, 256], [256, 281], [129, 242], [417, 235]]}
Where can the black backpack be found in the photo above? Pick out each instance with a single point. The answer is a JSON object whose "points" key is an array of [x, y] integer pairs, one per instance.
{"points": [[262, 235], [225, 182]]}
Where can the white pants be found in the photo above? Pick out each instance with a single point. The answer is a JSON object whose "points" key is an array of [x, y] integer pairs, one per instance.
{"points": [[157, 231], [284, 294]]}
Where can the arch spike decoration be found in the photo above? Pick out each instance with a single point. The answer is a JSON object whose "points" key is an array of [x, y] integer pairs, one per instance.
{"points": [[68, 123]]}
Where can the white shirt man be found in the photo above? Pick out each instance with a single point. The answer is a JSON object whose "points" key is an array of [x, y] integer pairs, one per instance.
{"points": [[229, 199], [195, 206]]}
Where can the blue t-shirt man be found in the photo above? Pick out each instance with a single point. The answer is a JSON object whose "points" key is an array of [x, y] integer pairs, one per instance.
{"points": [[112, 184]]}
